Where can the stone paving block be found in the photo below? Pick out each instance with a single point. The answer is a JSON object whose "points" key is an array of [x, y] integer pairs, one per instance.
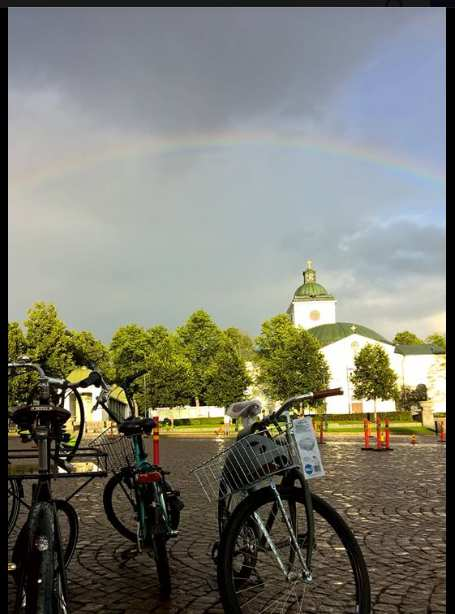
{"points": [[395, 505]]}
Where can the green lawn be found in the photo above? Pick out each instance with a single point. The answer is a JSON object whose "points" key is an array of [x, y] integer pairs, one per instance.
{"points": [[399, 428]]}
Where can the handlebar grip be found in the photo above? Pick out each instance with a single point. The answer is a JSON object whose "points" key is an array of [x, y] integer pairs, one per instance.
{"points": [[329, 392]]}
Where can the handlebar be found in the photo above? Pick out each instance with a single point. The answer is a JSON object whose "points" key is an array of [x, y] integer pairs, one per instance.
{"points": [[31, 366], [320, 394]]}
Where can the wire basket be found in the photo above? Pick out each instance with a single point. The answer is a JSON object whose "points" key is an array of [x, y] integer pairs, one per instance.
{"points": [[118, 449], [250, 460]]}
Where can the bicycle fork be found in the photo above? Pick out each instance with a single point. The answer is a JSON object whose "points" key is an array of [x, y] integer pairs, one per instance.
{"points": [[290, 575]]}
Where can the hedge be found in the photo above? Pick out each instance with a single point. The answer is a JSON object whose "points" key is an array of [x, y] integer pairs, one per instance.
{"points": [[393, 416], [196, 421]]}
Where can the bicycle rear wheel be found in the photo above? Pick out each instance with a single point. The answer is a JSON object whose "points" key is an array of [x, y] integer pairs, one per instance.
{"points": [[339, 584], [162, 564], [14, 503]]}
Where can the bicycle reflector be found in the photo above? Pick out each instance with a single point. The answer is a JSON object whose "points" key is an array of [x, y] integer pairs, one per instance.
{"points": [[150, 476]]}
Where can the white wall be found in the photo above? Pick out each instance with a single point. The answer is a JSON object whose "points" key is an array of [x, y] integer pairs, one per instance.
{"points": [[340, 358], [188, 412], [412, 370], [89, 396], [301, 313]]}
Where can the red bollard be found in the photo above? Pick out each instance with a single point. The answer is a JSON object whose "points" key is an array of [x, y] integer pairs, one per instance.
{"points": [[442, 434], [156, 442], [321, 432], [378, 433]]}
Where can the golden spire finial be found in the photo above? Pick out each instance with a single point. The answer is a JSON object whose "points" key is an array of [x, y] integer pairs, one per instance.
{"points": [[309, 264]]}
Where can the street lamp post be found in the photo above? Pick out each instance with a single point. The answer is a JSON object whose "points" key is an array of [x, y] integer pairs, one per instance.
{"points": [[348, 379]]}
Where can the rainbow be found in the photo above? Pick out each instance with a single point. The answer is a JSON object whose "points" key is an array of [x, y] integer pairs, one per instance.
{"points": [[205, 144]]}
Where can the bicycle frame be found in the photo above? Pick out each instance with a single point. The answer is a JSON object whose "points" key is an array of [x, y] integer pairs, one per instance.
{"points": [[289, 478], [161, 521]]}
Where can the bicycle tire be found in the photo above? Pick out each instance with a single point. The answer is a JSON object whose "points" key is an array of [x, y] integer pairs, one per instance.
{"points": [[68, 510], [124, 520], [36, 568], [119, 482], [70, 451], [162, 564], [326, 518], [14, 503]]}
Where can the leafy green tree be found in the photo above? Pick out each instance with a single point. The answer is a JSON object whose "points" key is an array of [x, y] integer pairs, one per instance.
{"points": [[167, 382], [129, 350], [18, 386], [290, 360], [373, 377], [406, 338], [242, 342], [17, 345], [410, 398], [227, 378], [48, 340], [87, 351], [200, 339], [437, 339]]}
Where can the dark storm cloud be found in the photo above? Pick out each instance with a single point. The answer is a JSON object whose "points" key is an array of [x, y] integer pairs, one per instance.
{"points": [[194, 69], [149, 238]]}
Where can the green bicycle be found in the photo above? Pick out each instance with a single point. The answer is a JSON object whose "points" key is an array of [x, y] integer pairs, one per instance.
{"points": [[138, 501]]}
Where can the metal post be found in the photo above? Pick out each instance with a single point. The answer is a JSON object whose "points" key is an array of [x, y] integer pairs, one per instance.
{"points": [[378, 433], [348, 389]]}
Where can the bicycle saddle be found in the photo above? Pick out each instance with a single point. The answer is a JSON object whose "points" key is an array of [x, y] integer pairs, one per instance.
{"points": [[242, 409], [136, 426], [24, 415]]}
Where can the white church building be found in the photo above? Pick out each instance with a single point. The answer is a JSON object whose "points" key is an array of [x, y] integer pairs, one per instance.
{"points": [[313, 308]]}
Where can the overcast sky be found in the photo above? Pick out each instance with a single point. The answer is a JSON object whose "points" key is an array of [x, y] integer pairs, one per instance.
{"points": [[163, 160]]}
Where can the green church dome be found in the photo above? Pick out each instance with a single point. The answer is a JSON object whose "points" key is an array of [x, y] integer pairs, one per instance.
{"points": [[310, 290]]}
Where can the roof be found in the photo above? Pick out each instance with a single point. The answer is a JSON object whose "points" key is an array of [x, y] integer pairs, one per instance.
{"points": [[311, 291], [330, 333], [418, 349], [80, 373]]}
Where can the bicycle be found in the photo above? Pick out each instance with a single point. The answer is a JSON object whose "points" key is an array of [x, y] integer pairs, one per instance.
{"points": [[40, 556], [65, 447], [152, 507], [282, 548]]}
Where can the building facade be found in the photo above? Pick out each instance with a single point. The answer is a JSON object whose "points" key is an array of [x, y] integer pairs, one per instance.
{"points": [[313, 308]]}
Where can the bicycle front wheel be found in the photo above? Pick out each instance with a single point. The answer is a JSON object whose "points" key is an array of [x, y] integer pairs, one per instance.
{"points": [[69, 532], [35, 568], [257, 540]]}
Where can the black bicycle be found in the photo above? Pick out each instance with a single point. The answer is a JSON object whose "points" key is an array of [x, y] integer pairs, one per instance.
{"points": [[282, 548], [138, 501], [42, 551]]}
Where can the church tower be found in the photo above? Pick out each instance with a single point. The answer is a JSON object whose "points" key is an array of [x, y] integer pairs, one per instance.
{"points": [[312, 305]]}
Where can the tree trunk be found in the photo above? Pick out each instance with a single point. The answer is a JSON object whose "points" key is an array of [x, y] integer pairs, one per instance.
{"points": [[375, 416]]}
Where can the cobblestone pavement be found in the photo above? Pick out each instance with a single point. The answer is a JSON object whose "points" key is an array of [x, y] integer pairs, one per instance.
{"points": [[394, 503]]}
